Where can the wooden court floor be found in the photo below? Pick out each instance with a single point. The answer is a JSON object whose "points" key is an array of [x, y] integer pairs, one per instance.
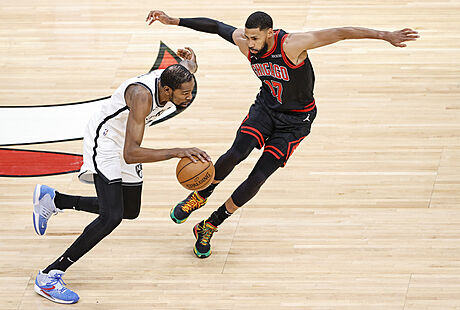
{"points": [[366, 214]]}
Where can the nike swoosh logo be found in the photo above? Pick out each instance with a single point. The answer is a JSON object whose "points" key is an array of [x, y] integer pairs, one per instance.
{"points": [[48, 289]]}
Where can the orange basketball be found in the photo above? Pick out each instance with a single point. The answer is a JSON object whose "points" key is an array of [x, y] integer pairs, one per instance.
{"points": [[194, 176]]}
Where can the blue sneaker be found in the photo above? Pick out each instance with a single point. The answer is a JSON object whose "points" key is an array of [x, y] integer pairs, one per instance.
{"points": [[44, 207], [51, 286]]}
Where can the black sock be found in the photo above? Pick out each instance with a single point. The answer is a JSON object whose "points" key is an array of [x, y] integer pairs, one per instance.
{"points": [[88, 204], [219, 216], [205, 193], [62, 263], [63, 201]]}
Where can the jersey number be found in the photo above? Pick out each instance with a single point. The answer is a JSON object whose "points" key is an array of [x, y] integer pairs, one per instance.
{"points": [[279, 89]]}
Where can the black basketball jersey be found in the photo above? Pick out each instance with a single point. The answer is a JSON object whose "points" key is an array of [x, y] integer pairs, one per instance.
{"points": [[285, 86]]}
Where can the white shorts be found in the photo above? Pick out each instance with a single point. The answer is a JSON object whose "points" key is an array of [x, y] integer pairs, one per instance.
{"points": [[106, 159]]}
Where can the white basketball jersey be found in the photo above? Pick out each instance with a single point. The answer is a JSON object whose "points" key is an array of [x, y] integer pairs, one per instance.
{"points": [[104, 136], [113, 116]]}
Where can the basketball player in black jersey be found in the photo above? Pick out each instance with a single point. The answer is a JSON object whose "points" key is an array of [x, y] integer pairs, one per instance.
{"points": [[284, 109]]}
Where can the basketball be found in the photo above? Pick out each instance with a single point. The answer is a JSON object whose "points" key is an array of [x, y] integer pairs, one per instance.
{"points": [[194, 176]]}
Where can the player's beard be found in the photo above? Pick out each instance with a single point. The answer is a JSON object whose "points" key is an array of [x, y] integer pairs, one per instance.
{"points": [[263, 50], [183, 104]]}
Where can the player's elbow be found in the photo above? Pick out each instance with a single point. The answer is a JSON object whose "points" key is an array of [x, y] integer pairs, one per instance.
{"points": [[128, 156], [131, 151], [129, 160]]}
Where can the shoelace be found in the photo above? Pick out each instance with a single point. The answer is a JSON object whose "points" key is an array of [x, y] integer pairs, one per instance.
{"points": [[191, 205], [207, 234], [47, 213], [57, 278]]}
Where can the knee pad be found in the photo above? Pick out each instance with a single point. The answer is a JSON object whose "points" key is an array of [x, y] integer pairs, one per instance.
{"points": [[257, 178], [236, 156]]}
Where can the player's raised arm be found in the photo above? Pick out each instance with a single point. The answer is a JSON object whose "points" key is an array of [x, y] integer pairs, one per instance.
{"points": [[301, 41], [202, 24]]}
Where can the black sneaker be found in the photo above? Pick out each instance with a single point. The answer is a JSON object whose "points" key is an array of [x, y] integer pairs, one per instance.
{"points": [[183, 209], [203, 232]]}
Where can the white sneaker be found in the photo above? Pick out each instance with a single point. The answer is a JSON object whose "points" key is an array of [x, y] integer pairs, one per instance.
{"points": [[44, 207], [51, 286]]}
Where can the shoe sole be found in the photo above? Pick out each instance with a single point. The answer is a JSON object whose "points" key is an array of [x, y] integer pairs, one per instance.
{"points": [[201, 255], [40, 292], [37, 216], [173, 218], [197, 253]]}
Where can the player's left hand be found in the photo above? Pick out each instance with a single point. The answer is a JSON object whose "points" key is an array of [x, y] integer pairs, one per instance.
{"points": [[187, 54], [397, 37]]}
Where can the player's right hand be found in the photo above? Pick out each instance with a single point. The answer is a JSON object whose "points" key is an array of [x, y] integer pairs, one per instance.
{"points": [[191, 152], [161, 17]]}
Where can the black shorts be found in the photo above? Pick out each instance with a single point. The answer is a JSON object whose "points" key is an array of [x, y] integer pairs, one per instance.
{"points": [[279, 132]]}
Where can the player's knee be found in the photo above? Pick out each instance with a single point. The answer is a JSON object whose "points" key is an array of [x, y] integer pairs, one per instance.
{"points": [[131, 214], [113, 223], [109, 223], [257, 178], [235, 155]]}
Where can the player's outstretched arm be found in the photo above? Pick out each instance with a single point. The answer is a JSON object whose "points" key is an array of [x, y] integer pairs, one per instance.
{"points": [[202, 24], [299, 42], [139, 101]]}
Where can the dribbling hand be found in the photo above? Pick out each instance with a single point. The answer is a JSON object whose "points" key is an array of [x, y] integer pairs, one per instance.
{"points": [[191, 152]]}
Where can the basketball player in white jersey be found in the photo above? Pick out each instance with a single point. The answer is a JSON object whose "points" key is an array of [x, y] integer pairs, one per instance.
{"points": [[112, 160]]}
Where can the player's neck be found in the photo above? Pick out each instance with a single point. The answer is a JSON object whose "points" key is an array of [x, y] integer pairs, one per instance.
{"points": [[271, 42]]}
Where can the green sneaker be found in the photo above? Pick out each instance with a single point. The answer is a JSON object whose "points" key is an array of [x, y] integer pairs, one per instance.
{"points": [[183, 209], [203, 232]]}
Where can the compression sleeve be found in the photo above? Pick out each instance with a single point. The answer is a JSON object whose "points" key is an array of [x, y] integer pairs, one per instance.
{"points": [[210, 26]]}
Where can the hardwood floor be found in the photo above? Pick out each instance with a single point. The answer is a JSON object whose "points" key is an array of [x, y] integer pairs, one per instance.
{"points": [[366, 214]]}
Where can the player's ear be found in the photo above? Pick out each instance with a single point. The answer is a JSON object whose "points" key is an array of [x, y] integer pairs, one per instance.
{"points": [[168, 90], [270, 33]]}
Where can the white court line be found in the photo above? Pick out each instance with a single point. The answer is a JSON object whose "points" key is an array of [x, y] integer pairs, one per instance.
{"points": [[372, 173], [26, 125]]}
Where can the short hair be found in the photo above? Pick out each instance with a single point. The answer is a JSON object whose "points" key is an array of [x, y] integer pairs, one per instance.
{"points": [[174, 76], [259, 20]]}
